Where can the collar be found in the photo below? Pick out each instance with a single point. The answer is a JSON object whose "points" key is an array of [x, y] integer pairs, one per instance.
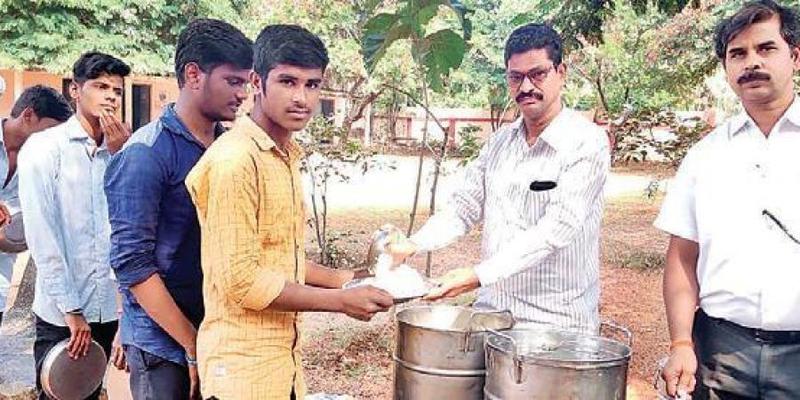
{"points": [[793, 112], [262, 140], [742, 120], [552, 134], [172, 122], [75, 129]]}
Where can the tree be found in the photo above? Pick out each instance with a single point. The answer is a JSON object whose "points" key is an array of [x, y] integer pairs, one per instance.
{"points": [[435, 55], [51, 34]]}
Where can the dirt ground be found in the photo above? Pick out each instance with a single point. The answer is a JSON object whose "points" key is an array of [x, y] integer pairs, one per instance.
{"points": [[348, 357]]}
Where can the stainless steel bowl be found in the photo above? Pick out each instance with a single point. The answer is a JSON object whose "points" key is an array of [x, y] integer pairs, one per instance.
{"points": [[66, 379], [429, 285]]}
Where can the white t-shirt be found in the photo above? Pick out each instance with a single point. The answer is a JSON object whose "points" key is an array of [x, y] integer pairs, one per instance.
{"points": [[748, 267]]}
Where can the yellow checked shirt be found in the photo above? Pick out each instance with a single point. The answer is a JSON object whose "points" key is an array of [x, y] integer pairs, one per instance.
{"points": [[249, 201]]}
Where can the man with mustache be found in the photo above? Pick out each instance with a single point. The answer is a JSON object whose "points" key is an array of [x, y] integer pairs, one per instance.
{"points": [[249, 198], [733, 261], [155, 236], [64, 209], [537, 188]]}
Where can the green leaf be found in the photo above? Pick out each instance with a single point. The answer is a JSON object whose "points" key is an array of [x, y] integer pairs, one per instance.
{"points": [[380, 32], [440, 53]]}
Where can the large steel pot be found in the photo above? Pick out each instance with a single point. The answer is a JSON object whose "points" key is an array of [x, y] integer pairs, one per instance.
{"points": [[440, 352], [555, 365]]}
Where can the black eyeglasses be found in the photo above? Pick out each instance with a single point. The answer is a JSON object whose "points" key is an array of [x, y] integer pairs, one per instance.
{"points": [[777, 222], [536, 75]]}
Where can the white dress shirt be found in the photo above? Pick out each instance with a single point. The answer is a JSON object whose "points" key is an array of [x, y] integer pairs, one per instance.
{"points": [[64, 209], [10, 199], [540, 249], [748, 268]]}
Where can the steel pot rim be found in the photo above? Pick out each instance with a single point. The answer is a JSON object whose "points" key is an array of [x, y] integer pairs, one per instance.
{"points": [[612, 361], [472, 311]]}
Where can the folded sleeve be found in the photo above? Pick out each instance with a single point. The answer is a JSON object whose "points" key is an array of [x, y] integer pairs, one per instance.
{"points": [[133, 185]]}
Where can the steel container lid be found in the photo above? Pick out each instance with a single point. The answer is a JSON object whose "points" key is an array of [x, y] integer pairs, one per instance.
{"points": [[559, 348]]}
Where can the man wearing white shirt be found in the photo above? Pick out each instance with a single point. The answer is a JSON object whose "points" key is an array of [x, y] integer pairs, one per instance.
{"points": [[61, 180], [37, 108], [536, 188], [733, 211]]}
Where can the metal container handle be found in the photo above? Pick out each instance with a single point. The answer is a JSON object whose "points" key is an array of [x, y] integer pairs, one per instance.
{"points": [[514, 356], [626, 333], [470, 324]]}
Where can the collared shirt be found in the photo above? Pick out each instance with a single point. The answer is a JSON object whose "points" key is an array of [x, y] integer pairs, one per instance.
{"points": [[154, 228], [249, 202], [748, 268], [65, 214], [9, 198], [540, 249]]}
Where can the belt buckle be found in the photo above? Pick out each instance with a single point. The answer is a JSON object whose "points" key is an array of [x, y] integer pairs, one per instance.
{"points": [[759, 336]]}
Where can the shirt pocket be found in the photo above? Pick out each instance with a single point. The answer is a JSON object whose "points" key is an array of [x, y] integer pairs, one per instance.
{"points": [[537, 185]]}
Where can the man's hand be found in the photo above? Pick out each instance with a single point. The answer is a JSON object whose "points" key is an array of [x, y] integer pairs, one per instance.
{"points": [[679, 373], [194, 383], [5, 216], [116, 133], [400, 248], [118, 354], [80, 335], [454, 283], [364, 301]]}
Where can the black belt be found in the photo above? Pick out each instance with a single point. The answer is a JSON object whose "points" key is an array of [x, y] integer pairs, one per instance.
{"points": [[759, 335]]}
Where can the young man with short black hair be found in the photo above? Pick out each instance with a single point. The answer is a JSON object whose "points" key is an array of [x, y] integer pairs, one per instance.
{"points": [[37, 108], [733, 261], [249, 198], [155, 237], [65, 213]]}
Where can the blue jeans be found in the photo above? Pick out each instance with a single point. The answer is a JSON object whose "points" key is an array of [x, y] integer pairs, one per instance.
{"points": [[154, 378], [735, 363]]}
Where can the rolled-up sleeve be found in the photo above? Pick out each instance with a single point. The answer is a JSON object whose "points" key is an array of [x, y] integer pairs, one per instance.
{"points": [[580, 186], [133, 185], [225, 192], [38, 166]]}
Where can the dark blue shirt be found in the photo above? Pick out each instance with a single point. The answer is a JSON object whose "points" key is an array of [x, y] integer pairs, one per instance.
{"points": [[154, 228]]}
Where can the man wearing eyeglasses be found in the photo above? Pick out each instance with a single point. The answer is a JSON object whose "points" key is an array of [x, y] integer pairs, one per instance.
{"points": [[537, 189], [733, 210]]}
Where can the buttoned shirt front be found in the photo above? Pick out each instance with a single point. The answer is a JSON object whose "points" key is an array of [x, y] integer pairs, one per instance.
{"points": [[64, 209], [748, 267], [540, 248], [249, 200]]}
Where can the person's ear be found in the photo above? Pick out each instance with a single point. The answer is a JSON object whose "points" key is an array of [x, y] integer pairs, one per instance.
{"points": [[75, 91], [256, 82], [29, 117], [192, 75]]}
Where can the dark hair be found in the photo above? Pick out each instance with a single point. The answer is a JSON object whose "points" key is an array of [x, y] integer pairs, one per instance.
{"points": [[751, 13], [93, 64], [288, 44], [210, 43], [45, 102], [535, 36]]}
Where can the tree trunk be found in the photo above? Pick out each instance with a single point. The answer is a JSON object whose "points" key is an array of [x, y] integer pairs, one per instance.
{"points": [[413, 214], [359, 112], [436, 171]]}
